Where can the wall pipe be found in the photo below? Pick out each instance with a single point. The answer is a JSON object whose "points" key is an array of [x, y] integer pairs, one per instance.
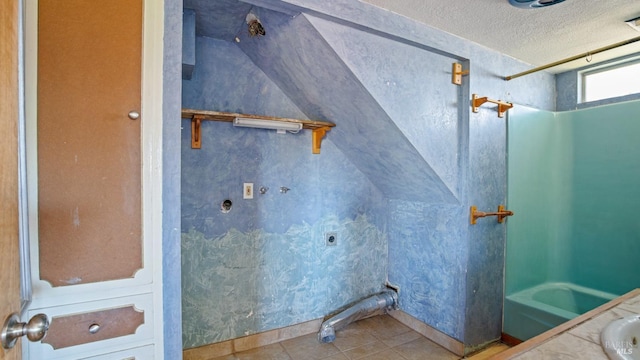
{"points": [[373, 305], [564, 61]]}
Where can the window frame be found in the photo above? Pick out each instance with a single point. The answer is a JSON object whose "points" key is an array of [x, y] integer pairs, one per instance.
{"points": [[583, 74]]}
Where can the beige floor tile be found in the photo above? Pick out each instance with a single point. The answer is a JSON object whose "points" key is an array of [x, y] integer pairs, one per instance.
{"points": [[225, 357], [388, 354], [338, 356], [423, 348], [401, 339], [359, 325], [216, 351], [269, 352], [385, 327], [308, 348], [353, 336], [377, 338], [366, 351]]}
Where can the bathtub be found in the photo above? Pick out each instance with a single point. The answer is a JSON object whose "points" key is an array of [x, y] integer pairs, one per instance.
{"points": [[535, 310]]}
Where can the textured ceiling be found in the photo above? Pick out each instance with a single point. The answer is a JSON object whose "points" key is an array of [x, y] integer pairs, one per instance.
{"points": [[535, 36]]}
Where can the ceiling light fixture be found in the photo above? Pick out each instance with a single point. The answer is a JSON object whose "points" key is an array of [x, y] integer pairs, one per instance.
{"points": [[530, 4], [634, 23], [280, 126], [255, 26]]}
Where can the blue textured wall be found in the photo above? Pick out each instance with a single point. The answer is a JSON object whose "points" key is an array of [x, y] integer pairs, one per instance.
{"points": [[297, 58], [171, 286], [264, 264], [403, 165], [188, 43]]}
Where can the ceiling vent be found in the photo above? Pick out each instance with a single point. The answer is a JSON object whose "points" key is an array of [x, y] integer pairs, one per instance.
{"points": [[530, 4]]}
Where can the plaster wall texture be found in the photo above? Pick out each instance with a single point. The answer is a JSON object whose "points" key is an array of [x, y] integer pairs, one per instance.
{"points": [[404, 163], [171, 267], [265, 264]]}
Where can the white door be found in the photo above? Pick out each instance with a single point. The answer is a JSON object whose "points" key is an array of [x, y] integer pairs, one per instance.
{"points": [[93, 95]]}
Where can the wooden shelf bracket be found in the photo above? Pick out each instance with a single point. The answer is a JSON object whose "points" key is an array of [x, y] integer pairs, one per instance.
{"points": [[316, 138], [457, 73], [318, 128], [196, 139], [476, 102], [501, 214]]}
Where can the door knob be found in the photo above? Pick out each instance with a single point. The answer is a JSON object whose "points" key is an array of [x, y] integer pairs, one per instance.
{"points": [[133, 115], [35, 329]]}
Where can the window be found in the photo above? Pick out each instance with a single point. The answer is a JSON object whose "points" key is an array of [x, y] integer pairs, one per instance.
{"points": [[611, 81]]}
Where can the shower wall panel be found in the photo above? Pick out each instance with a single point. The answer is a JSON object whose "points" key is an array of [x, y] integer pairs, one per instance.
{"points": [[539, 192], [605, 231], [573, 180]]}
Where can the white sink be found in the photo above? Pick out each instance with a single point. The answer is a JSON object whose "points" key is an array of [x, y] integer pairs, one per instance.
{"points": [[621, 338]]}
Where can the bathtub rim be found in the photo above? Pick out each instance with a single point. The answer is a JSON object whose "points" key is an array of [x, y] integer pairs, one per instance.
{"points": [[526, 314], [526, 297], [558, 330]]}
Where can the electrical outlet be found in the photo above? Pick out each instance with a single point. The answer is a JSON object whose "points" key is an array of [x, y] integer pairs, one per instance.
{"points": [[331, 238], [247, 191]]}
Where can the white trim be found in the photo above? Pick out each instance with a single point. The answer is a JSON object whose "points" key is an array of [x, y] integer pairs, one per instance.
{"points": [[152, 96], [25, 260]]}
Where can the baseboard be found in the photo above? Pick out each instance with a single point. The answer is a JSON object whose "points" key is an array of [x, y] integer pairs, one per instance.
{"points": [[438, 337], [510, 340], [273, 336], [252, 341]]}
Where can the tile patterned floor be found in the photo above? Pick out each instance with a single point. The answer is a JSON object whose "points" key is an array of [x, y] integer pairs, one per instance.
{"points": [[376, 338]]}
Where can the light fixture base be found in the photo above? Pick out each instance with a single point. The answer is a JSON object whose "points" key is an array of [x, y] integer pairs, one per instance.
{"points": [[634, 23], [532, 4], [280, 126]]}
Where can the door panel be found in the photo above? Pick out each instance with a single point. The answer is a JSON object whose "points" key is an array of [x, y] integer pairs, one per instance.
{"points": [[9, 251], [89, 166], [123, 322], [77, 329]]}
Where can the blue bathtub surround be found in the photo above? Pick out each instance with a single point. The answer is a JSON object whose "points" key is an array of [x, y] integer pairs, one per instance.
{"points": [[395, 178], [573, 177], [535, 310], [540, 159]]}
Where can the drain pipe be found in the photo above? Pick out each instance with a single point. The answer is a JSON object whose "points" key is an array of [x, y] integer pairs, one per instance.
{"points": [[380, 303]]}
